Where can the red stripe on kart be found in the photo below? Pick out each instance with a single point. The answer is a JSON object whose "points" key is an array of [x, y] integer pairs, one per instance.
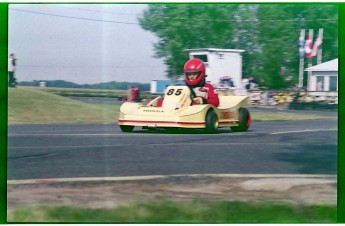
{"points": [[164, 122]]}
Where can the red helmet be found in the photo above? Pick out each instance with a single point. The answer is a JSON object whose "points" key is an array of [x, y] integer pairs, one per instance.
{"points": [[194, 65]]}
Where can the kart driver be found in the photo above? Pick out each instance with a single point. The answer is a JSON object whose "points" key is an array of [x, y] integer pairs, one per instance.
{"points": [[195, 78]]}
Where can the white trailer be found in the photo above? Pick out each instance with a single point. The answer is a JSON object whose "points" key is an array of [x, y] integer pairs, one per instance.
{"points": [[220, 63]]}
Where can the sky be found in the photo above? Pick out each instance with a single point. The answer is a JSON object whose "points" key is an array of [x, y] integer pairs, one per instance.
{"points": [[82, 43]]}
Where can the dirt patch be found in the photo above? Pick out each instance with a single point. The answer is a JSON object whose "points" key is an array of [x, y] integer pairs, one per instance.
{"points": [[109, 194]]}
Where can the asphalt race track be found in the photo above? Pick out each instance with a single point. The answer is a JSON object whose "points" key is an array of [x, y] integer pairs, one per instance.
{"points": [[72, 151]]}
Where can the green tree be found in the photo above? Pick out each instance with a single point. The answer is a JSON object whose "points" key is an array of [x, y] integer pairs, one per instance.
{"points": [[267, 32], [279, 29], [187, 26], [246, 36]]}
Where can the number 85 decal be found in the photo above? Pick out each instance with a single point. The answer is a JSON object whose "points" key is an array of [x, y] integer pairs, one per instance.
{"points": [[172, 91]]}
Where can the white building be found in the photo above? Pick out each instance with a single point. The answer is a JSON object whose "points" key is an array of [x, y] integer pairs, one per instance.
{"points": [[220, 63], [323, 81], [323, 77]]}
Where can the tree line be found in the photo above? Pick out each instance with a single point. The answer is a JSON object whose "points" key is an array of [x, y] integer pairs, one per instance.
{"points": [[105, 85], [268, 33]]}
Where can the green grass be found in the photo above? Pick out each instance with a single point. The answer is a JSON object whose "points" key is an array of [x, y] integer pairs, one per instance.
{"points": [[85, 92], [182, 212], [32, 106], [36, 106], [285, 116]]}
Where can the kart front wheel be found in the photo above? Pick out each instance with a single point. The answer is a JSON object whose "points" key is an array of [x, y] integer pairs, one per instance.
{"points": [[126, 129], [211, 122], [244, 121]]}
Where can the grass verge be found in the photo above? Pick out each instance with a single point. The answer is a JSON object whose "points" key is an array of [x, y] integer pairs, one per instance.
{"points": [[30, 106], [285, 116], [182, 212]]}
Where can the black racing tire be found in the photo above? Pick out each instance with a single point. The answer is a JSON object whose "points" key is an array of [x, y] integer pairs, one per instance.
{"points": [[244, 121], [126, 129], [211, 122]]}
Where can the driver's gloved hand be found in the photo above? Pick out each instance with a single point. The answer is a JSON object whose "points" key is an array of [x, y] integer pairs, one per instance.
{"points": [[199, 100]]}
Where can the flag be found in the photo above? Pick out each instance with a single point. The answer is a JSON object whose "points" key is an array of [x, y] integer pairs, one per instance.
{"points": [[316, 45], [308, 47]]}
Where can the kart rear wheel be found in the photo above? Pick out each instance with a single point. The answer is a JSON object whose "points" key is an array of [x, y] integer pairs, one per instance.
{"points": [[126, 129], [211, 122], [244, 121]]}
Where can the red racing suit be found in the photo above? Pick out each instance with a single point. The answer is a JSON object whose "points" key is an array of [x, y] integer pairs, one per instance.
{"points": [[207, 93]]}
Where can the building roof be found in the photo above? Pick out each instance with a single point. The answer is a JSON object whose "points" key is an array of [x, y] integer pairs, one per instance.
{"points": [[215, 50], [327, 66]]}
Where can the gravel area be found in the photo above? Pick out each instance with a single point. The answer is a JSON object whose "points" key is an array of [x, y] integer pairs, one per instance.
{"points": [[109, 194]]}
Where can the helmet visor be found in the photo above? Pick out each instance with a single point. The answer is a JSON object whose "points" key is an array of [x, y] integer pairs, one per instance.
{"points": [[192, 75]]}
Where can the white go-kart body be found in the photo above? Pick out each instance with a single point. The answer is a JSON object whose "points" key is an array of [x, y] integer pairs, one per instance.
{"points": [[176, 111]]}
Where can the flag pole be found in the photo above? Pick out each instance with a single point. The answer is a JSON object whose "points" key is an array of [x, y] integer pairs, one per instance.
{"points": [[310, 62], [301, 58], [319, 51]]}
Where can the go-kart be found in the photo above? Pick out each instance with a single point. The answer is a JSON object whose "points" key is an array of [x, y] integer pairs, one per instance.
{"points": [[176, 111]]}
